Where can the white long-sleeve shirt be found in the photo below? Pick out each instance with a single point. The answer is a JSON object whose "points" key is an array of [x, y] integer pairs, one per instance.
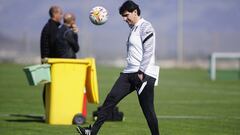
{"points": [[141, 49]]}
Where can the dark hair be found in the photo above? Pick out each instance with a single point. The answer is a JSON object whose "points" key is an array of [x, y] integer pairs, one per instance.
{"points": [[129, 6], [52, 10]]}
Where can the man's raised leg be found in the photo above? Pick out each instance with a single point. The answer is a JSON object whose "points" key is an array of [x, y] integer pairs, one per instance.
{"points": [[121, 88]]}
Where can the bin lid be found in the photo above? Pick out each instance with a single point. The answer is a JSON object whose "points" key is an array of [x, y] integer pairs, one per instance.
{"points": [[36, 67], [74, 61]]}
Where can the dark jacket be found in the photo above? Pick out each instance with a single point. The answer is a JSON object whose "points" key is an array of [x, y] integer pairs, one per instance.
{"points": [[48, 37], [66, 44]]}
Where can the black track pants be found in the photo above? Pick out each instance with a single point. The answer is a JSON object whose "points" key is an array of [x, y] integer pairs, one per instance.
{"points": [[125, 84]]}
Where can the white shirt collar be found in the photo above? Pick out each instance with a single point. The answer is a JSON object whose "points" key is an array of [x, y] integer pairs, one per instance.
{"points": [[139, 22]]}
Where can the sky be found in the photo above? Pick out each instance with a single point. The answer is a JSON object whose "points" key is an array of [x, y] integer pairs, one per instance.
{"points": [[209, 25]]}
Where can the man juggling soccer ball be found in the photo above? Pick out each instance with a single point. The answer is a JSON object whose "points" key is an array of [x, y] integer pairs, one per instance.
{"points": [[140, 73]]}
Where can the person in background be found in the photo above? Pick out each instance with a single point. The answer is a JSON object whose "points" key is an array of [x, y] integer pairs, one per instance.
{"points": [[66, 45], [49, 32], [48, 36]]}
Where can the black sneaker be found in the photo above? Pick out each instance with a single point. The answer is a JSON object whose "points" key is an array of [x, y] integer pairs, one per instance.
{"points": [[84, 130]]}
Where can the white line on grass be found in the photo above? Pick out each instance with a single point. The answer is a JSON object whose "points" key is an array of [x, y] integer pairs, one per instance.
{"points": [[21, 115], [200, 102], [194, 117], [4, 115]]}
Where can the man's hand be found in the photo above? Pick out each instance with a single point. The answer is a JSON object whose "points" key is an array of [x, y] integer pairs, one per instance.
{"points": [[44, 60], [75, 28], [140, 76]]}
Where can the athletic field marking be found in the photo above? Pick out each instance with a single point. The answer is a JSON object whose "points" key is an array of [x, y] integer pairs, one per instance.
{"points": [[200, 102], [195, 117], [4, 115], [21, 115], [220, 92], [212, 91]]}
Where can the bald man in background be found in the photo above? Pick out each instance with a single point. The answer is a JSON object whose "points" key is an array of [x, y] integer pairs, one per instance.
{"points": [[49, 32], [66, 45], [48, 36]]}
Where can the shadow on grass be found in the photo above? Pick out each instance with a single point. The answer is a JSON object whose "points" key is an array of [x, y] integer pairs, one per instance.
{"points": [[26, 118]]}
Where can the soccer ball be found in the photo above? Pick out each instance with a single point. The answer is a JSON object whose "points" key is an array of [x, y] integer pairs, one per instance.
{"points": [[98, 15]]}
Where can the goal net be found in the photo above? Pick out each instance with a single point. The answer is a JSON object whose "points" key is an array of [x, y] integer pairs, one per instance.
{"points": [[224, 66]]}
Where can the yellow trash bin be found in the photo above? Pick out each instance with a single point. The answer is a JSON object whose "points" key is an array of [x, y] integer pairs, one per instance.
{"points": [[91, 82], [64, 96]]}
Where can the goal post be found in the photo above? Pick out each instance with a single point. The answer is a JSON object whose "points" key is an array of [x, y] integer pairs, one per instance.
{"points": [[220, 55]]}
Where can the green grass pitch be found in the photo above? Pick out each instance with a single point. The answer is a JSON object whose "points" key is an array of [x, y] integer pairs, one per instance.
{"points": [[186, 103]]}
